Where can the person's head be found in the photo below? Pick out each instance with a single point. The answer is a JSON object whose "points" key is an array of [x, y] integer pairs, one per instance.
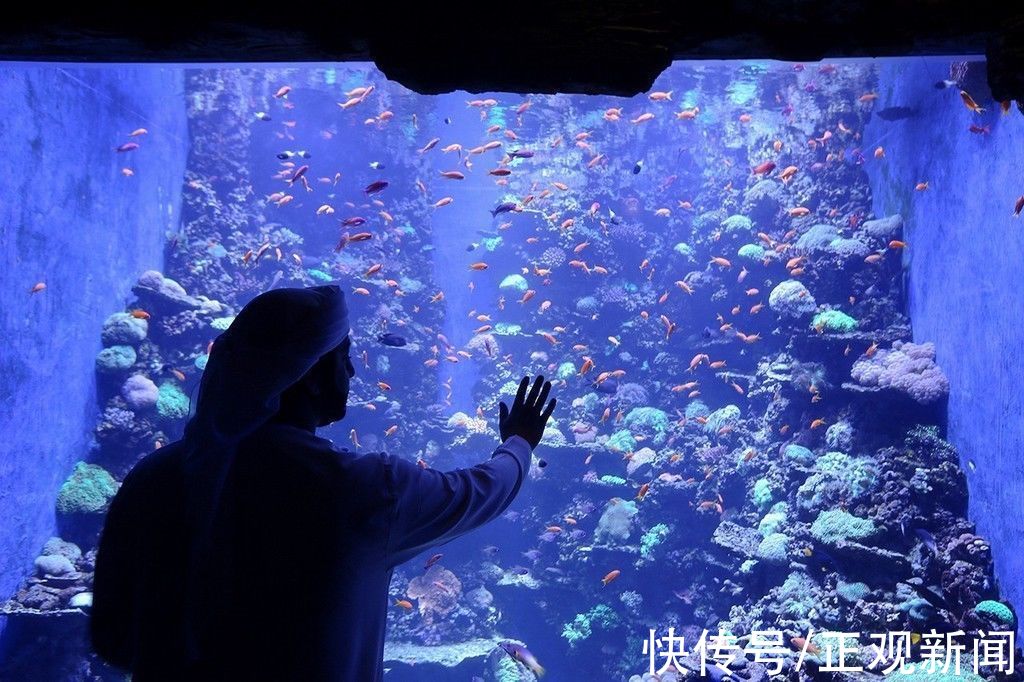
{"points": [[323, 391]]}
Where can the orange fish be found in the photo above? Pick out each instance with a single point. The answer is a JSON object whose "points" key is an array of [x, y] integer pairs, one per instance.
{"points": [[643, 491], [800, 643], [452, 175], [404, 603], [478, 266], [443, 202], [921, 186], [390, 431], [818, 422], [612, 575], [897, 244], [140, 314], [383, 386], [970, 103]]}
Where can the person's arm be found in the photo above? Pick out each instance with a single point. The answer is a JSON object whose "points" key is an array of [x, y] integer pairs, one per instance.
{"points": [[433, 507]]}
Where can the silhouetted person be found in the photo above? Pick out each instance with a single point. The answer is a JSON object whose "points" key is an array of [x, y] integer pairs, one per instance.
{"points": [[251, 549]]}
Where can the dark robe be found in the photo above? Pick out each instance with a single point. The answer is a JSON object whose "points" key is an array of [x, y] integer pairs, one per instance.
{"points": [[317, 532]]}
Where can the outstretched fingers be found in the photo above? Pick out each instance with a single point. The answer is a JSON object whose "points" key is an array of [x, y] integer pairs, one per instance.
{"points": [[543, 396], [532, 400], [549, 410], [521, 394]]}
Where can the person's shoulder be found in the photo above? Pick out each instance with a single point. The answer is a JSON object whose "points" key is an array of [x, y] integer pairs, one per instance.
{"points": [[157, 463], [153, 475]]}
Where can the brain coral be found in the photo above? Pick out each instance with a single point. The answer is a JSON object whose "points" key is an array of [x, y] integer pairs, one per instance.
{"points": [[123, 329], [790, 298]]}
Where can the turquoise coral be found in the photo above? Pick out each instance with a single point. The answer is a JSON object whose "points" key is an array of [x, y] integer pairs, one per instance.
{"points": [[648, 419], [651, 539], [837, 475], [685, 250], [565, 370], [115, 359], [774, 519], [171, 403], [737, 223], [762, 493], [621, 441], [582, 625], [517, 282], [319, 275], [998, 610], [751, 252], [87, 490], [774, 548], [835, 525], [799, 454], [222, 323], [727, 415], [834, 321]]}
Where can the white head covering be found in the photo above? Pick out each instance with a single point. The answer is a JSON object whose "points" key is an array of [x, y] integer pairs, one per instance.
{"points": [[275, 339]]}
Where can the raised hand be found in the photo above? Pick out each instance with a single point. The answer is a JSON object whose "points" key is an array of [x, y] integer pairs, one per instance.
{"points": [[528, 416]]}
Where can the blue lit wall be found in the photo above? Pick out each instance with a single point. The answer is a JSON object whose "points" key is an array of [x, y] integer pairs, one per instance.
{"points": [[965, 265], [62, 223]]}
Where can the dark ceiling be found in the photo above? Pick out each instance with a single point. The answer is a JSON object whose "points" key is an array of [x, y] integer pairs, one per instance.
{"points": [[569, 46]]}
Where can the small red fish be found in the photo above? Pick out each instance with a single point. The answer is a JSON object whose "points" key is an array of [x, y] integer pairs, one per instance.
{"points": [[128, 147], [764, 168]]}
